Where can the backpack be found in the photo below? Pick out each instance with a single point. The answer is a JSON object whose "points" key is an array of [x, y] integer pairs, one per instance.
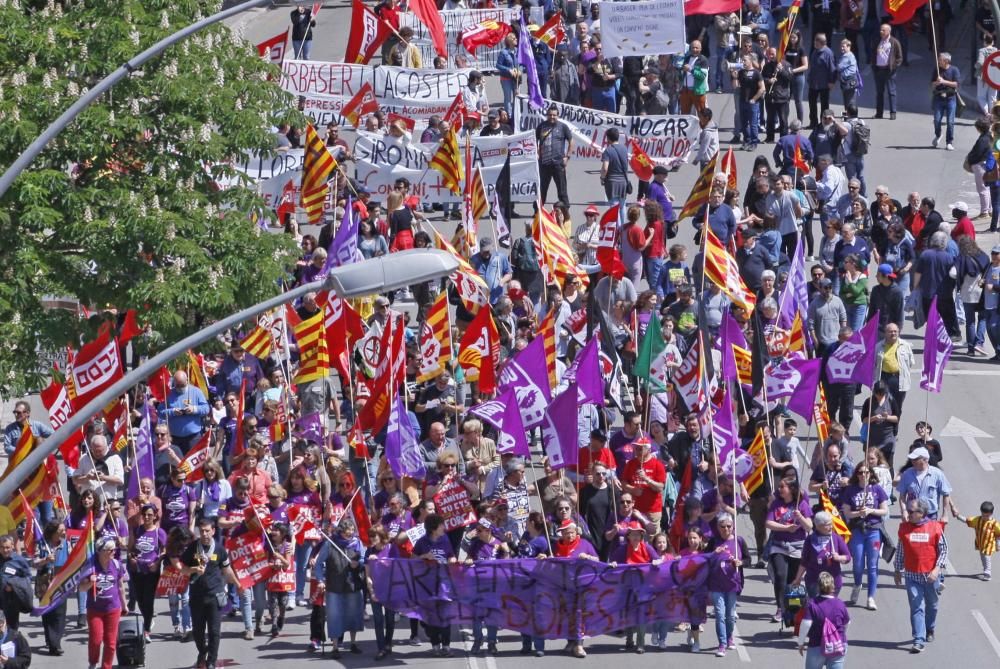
{"points": [[525, 256], [861, 138], [832, 643]]}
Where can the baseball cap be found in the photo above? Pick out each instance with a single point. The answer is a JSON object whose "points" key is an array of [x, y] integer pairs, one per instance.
{"points": [[995, 249], [660, 169], [961, 206], [592, 209], [918, 453], [492, 115], [885, 269], [825, 282]]}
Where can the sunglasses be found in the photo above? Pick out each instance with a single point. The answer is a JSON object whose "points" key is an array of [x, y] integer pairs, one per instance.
{"points": [[562, 508]]}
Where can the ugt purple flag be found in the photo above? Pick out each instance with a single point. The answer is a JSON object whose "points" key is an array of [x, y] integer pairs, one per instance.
{"points": [[731, 335], [502, 413], [585, 372], [344, 247], [937, 350], [526, 57], [796, 379], [402, 446], [310, 428], [854, 360], [528, 375], [726, 437], [560, 430], [795, 296], [143, 455]]}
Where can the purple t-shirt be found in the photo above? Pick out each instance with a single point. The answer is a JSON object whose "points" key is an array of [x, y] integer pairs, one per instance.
{"points": [[439, 548], [176, 501], [148, 545], [818, 610], [479, 550], [783, 512], [817, 557], [280, 514], [106, 596], [396, 524], [723, 575], [871, 496]]}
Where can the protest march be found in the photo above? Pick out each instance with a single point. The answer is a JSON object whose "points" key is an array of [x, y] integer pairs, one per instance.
{"points": [[615, 411]]}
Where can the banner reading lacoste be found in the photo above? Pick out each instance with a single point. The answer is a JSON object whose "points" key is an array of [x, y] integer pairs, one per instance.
{"points": [[455, 23], [666, 139], [381, 159], [642, 28], [327, 87]]}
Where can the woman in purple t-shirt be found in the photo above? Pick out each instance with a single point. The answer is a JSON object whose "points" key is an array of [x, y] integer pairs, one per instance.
{"points": [[824, 551], [789, 519], [105, 594], [179, 502], [865, 505], [818, 611], [145, 550], [436, 547]]}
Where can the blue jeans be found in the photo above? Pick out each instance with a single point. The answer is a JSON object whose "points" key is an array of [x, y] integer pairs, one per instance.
{"points": [[527, 641], [384, 622], [302, 554], [923, 599], [815, 659], [856, 315], [180, 610], [737, 115], [719, 65], [605, 99], [975, 325], [659, 631], [653, 268], [865, 546], [258, 599], [301, 50], [992, 317], [799, 95], [750, 111], [725, 615], [944, 109], [855, 168], [509, 91]]}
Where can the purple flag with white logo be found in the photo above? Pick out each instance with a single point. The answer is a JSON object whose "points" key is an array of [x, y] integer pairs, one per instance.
{"points": [[310, 428], [795, 296], [559, 430], [143, 455], [585, 372], [937, 350], [502, 413], [344, 247], [731, 335], [725, 434], [402, 445], [528, 375], [526, 58], [854, 360], [796, 379]]}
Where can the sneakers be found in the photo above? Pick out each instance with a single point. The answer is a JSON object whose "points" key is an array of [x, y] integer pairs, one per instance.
{"points": [[303, 602], [731, 644], [146, 637], [986, 576], [917, 648], [186, 636], [855, 594], [662, 645], [934, 143], [721, 650], [871, 604], [315, 646], [578, 651], [492, 648], [930, 636], [776, 618], [178, 632], [248, 635], [949, 147], [539, 653], [290, 606], [695, 647]]}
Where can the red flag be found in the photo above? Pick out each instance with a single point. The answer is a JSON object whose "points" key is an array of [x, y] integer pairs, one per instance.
{"points": [[193, 465], [488, 33], [479, 351], [427, 12], [902, 11], [552, 32], [409, 123], [362, 103], [30, 528], [357, 441], [344, 328], [388, 375], [159, 384], [286, 206], [692, 7], [640, 162], [315, 9], [607, 245], [728, 168], [129, 328], [56, 401], [797, 158], [96, 367], [457, 112], [368, 32], [273, 50]]}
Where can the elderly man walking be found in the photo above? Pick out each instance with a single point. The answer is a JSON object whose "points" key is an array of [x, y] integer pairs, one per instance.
{"points": [[920, 559]]}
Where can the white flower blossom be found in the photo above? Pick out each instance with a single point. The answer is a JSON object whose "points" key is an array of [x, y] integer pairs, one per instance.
{"points": [[159, 276], [15, 115], [186, 47], [133, 106], [46, 81], [164, 20], [32, 62], [210, 210], [133, 37], [111, 117], [15, 319], [238, 105], [15, 4], [213, 278], [155, 202], [50, 36], [84, 52], [112, 220], [72, 89], [88, 215], [142, 210], [162, 173], [11, 375], [205, 133], [19, 79], [170, 71], [170, 233]]}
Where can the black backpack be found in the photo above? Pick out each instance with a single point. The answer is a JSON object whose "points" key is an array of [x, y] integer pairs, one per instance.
{"points": [[861, 138], [524, 255]]}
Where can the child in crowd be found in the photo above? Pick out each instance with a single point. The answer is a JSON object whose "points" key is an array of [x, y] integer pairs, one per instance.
{"points": [[695, 544], [987, 535], [660, 628]]}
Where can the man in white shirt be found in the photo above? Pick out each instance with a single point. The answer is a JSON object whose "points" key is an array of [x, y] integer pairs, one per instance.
{"points": [[100, 471]]}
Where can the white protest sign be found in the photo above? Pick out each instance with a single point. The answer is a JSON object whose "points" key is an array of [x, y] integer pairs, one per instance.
{"points": [[642, 28]]}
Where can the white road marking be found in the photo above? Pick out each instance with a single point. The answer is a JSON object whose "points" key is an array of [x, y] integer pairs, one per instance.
{"points": [[490, 662], [956, 427], [949, 568], [972, 372], [987, 630], [741, 650]]}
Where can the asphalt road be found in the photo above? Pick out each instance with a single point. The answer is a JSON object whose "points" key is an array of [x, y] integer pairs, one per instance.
{"points": [[963, 415]]}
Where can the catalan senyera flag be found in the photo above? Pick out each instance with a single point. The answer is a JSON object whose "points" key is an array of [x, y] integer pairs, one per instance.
{"points": [[640, 162], [786, 27], [119, 440], [314, 359], [317, 168], [728, 168], [839, 526], [435, 340], [744, 365], [477, 195], [701, 189], [362, 103], [547, 331], [258, 342], [553, 247], [552, 32], [479, 351], [821, 417], [66, 579], [196, 373], [38, 484], [722, 270], [757, 451], [797, 338], [448, 161]]}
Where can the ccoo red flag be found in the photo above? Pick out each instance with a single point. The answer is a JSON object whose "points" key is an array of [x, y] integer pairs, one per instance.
{"points": [[640, 162]]}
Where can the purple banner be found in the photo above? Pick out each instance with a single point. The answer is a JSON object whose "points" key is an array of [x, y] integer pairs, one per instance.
{"points": [[554, 598], [586, 373], [854, 360], [560, 438], [797, 379], [143, 455], [528, 375], [937, 350], [402, 446]]}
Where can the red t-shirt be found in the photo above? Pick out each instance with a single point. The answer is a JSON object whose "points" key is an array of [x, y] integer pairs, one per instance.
{"points": [[657, 247], [636, 237], [649, 501], [587, 460]]}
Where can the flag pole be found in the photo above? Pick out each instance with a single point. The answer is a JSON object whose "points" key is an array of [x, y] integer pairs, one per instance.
{"points": [[545, 523]]}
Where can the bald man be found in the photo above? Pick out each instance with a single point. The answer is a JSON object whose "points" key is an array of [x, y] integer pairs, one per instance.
{"points": [[184, 412]]}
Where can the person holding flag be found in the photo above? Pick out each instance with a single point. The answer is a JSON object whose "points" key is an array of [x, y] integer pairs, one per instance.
{"points": [[824, 551], [106, 598], [53, 553]]}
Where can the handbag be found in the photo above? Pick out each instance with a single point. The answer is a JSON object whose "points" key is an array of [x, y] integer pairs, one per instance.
{"points": [[888, 550]]}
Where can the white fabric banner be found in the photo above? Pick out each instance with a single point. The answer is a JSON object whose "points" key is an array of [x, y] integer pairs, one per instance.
{"points": [[647, 28], [327, 87], [666, 139]]}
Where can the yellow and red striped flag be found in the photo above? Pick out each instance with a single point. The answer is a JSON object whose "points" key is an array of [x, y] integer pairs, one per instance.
{"points": [[314, 359], [435, 340], [722, 270], [258, 342], [786, 27], [757, 451], [744, 365], [547, 331], [701, 189], [821, 417], [478, 203], [797, 338], [728, 168], [553, 247], [839, 526], [317, 168], [196, 373], [448, 161]]}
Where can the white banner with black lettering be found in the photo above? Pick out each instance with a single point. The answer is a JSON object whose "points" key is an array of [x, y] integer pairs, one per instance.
{"points": [[666, 139], [647, 28], [380, 160], [327, 87]]}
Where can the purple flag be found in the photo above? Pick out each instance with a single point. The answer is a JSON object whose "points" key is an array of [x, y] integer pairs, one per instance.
{"points": [[585, 372], [725, 434], [344, 247], [795, 378], [854, 360], [143, 455], [795, 296], [937, 350], [502, 413], [731, 335], [402, 446], [526, 57], [559, 430], [310, 428], [528, 375]]}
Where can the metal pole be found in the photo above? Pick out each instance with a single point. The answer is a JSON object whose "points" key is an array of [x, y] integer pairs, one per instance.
{"points": [[130, 66]]}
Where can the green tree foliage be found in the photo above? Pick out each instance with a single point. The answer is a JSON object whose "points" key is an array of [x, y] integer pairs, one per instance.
{"points": [[123, 208]]}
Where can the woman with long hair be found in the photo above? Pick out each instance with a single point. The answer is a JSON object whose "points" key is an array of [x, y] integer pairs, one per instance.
{"points": [[789, 518], [865, 506], [105, 592], [146, 548]]}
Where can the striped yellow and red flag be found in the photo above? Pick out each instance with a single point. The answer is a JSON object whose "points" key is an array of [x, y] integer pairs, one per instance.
{"points": [[701, 189], [448, 161], [744, 365], [547, 331], [478, 203], [196, 373], [314, 359], [317, 168], [821, 417], [758, 451], [722, 270], [839, 526], [728, 168], [797, 338], [258, 342], [38, 484], [786, 27], [553, 247], [435, 340], [552, 32]]}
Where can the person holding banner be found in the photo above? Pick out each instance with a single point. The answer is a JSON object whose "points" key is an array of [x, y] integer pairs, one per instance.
{"points": [[635, 550], [280, 551], [146, 548], [341, 575]]}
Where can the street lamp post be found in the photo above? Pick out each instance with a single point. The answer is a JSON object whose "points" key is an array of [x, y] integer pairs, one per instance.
{"points": [[381, 274]]}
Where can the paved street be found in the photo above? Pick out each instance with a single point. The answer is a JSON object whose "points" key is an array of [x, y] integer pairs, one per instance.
{"points": [[964, 416]]}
